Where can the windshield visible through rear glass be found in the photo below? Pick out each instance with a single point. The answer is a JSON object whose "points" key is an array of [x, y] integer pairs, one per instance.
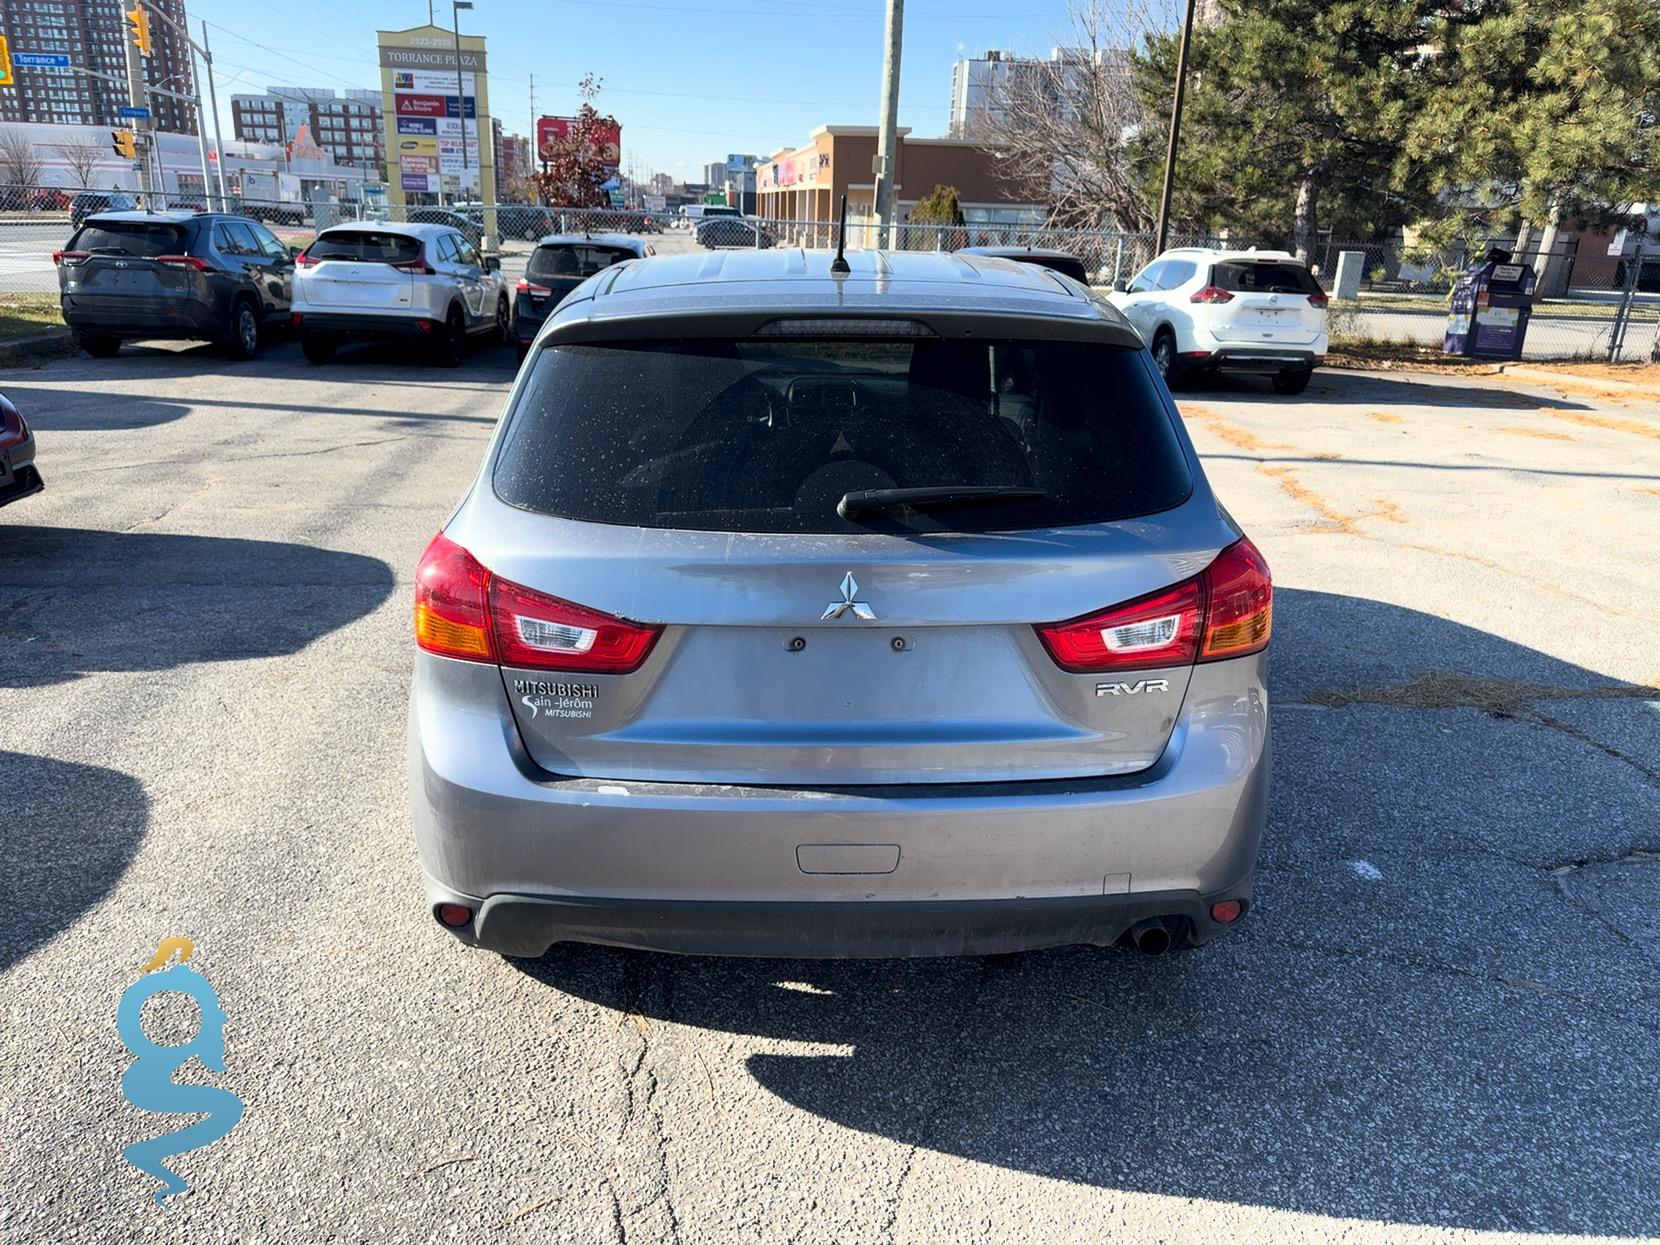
{"points": [[145, 239], [366, 246], [1263, 277], [574, 260], [769, 435]]}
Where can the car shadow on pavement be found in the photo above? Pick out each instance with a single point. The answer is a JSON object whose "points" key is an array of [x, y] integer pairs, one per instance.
{"points": [[1434, 1015], [1341, 386], [67, 834], [74, 601]]}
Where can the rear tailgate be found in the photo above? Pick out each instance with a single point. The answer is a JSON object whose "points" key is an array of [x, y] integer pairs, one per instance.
{"points": [[358, 269], [688, 492], [113, 265], [1271, 303]]}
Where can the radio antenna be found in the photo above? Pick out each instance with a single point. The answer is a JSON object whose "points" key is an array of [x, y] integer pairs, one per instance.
{"points": [[839, 265]]}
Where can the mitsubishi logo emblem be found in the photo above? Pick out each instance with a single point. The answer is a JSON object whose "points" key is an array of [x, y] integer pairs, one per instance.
{"points": [[850, 589]]}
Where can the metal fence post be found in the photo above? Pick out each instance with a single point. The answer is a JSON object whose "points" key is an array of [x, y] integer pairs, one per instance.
{"points": [[1622, 317]]}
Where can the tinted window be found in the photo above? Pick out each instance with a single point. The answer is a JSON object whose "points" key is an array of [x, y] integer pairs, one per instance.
{"points": [[446, 248], [574, 261], [467, 253], [1174, 273], [267, 241], [143, 238], [235, 238], [366, 246], [767, 435], [1263, 276], [1063, 264], [1146, 278]]}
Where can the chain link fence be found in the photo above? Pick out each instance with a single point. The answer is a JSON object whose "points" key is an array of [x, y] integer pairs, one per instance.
{"points": [[1589, 305]]}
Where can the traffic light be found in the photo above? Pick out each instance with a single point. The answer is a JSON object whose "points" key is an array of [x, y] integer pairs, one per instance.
{"points": [[125, 145], [138, 19]]}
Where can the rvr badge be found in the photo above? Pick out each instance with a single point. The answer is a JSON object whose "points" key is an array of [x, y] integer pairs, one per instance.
{"points": [[1132, 689]]}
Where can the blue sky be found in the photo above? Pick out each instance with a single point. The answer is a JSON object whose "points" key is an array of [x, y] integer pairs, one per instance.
{"points": [[690, 80]]}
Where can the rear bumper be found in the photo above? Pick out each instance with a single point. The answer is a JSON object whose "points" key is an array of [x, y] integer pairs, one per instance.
{"points": [[1256, 359], [19, 477], [146, 318], [721, 869], [366, 327], [528, 318]]}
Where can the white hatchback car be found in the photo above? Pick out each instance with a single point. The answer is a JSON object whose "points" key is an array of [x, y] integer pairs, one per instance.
{"points": [[394, 282], [1202, 309]]}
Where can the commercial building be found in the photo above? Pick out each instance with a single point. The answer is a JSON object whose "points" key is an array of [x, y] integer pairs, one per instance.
{"points": [[735, 178], [980, 87], [94, 35], [806, 183], [346, 125]]}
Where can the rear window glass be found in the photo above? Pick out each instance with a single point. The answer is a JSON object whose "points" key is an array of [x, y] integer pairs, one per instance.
{"points": [[366, 246], [768, 435], [573, 260], [1063, 264], [1263, 277], [142, 238]]}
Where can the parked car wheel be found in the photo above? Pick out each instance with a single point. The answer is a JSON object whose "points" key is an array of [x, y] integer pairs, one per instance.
{"points": [[1164, 357], [97, 345], [317, 349], [244, 340], [455, 339], [1293, 382], [504, 322]]}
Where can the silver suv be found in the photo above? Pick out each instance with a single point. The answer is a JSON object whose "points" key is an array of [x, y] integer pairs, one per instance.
{"points": [[795, 613]]}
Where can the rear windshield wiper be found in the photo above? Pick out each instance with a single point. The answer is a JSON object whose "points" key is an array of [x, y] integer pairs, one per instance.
{"points": [[110, 250], [872, 501]]}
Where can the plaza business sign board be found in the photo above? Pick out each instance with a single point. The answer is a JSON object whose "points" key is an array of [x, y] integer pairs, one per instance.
{"points": [[431, 122]]}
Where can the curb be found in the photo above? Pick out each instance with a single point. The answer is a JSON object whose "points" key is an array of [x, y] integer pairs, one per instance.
{"points": [[35, 349]]}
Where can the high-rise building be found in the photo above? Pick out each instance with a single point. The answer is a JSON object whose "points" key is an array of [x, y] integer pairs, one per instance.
{"points": [[346, 125], [979, 87], [94, 34]]}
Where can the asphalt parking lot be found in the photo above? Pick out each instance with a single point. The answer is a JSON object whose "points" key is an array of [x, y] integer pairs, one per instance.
{"points": [[1441, 1021]]}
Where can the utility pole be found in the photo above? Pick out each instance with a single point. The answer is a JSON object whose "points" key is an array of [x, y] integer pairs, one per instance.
{"points": [[136, 99], [887, 140], [461, 93], [213, 103], [1175, 132]]}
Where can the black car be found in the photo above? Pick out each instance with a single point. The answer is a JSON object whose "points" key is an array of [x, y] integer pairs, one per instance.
{"points": [[463, 224], [1063, 262], [202, 276], [18, 475], [556, 267], [716, 232], [523, 220], [89, 202]]}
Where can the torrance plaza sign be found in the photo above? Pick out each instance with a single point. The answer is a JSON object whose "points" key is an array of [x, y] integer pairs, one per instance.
{"points": [[427, 120]]}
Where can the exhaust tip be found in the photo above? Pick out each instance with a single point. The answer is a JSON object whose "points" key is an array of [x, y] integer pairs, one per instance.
{"points": [[1150, 936]]}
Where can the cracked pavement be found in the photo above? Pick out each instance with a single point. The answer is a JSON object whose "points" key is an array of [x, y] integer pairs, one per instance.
{"points": [[1440, 1023]]}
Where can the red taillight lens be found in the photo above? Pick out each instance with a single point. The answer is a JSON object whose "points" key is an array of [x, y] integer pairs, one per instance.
{"points": [[417, 266], [1211, 294], [545, 633], [452, 603], [302, 260], [1160, 629], [1224, 611], [526, 287], [1318, 299], [463, 611], [70, 257], [1240, 613], [185, 261]]}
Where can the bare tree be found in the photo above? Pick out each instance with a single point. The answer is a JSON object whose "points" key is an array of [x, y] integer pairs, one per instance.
{"points": [[19, 165], [1066, 126], [83, 156]]}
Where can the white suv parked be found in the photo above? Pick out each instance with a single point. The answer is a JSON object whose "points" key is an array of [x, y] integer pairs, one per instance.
{"points": [[1202, 309], [395, 282]]}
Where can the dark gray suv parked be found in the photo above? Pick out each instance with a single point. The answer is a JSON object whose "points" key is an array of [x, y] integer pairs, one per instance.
{"points": [[199, 276]]}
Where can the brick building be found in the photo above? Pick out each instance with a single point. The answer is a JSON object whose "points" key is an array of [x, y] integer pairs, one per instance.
{"points": [[347, 125]]}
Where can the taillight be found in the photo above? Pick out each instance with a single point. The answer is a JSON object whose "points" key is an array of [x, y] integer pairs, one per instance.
{"points": [[417, 266], [70, 257], [536, 630], [1224, 611], [526, 287], [1160, 629], [452, 602], [302, 260], [463, 611], [185, 261], [1318, 299], [1211, 294], [1240, 610]]}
